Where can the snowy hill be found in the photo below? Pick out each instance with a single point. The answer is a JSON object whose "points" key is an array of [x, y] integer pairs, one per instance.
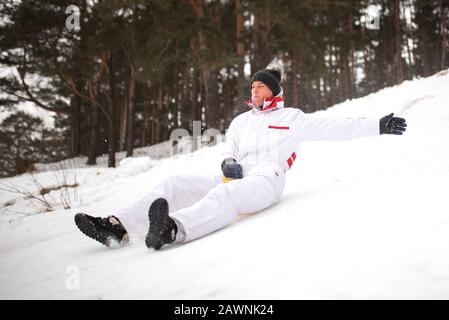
{"points": [[367, 218]]}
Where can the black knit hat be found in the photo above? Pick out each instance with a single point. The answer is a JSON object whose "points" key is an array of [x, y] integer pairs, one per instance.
{"points": [[270, 77]]}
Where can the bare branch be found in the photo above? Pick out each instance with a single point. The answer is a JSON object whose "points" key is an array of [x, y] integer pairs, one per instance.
{"points": [[30, 94]]}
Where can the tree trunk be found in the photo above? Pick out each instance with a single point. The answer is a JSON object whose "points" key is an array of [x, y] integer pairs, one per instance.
{"points": [[112, 107], [123, 123], [185, 98], [93, 94], [132, 93], [240, 48], [94, 87], [351, 67], [261, 38], [443, 33], [164, 119], [75, 126], [176, 94], [398, 42], [212, 99], [227, 99], [256, 63], [344, 86], [92, 157], [159, 114], [195, 107], [408, 36], [75, 119], [146, 107], [423, 12], [153, 125], [204, 67]]}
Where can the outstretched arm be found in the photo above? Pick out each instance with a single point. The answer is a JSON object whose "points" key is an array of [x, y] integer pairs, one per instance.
{"points": [[312, 128]]}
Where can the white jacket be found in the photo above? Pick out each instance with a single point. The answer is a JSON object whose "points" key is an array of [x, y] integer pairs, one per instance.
{"points": [[266, 140]]}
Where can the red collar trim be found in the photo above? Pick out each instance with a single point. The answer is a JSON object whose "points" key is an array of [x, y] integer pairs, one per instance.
{"points": [[268, 104]]}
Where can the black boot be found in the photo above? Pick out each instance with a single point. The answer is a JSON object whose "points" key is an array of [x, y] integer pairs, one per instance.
{"points": [[163, 229], [108, 231]]}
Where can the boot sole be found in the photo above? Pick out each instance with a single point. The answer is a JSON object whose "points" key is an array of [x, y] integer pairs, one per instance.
{"points": [[158, 218], [86, 226]]}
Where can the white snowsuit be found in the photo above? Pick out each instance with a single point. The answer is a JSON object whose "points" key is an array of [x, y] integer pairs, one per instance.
{"points": [[264, 142]]}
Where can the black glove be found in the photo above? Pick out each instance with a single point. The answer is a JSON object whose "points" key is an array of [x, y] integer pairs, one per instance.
{"points": [[231, 169], [392, 125]]}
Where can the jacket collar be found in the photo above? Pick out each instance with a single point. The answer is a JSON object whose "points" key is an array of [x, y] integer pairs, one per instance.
{"points": [[268, 104]]}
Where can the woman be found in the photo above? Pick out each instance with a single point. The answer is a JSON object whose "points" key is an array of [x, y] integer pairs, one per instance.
{"points": [[261, 146]]}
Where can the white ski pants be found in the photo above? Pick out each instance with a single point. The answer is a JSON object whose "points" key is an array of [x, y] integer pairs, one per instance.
{"points": [[203, 204]]}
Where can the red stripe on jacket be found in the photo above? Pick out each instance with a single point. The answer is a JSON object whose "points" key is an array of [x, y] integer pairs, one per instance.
{"points": [[291, 160]]}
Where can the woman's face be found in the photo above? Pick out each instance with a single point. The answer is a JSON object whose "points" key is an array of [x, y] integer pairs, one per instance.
{"points": [[259, 92]]}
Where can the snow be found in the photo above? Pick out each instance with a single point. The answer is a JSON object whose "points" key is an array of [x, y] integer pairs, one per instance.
{"points": [[154, 152], [360, 219]]}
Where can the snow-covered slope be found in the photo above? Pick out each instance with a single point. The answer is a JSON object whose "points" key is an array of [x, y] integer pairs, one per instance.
{"points": [[367, 218]]}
